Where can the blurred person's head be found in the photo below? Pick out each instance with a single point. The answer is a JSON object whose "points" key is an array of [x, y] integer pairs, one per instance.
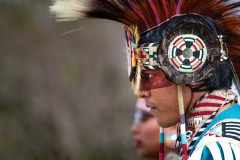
{"points": [[145, 130]]}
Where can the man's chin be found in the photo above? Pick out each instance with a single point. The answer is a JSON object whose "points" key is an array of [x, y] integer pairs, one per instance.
{"points": [[161, 124], [164, 124]]}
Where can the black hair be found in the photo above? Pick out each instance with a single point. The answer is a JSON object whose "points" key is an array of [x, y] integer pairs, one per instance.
{"points": [[221, 79]]}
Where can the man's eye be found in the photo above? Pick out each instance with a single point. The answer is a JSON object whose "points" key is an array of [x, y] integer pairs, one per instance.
{"points": [[149, 75]]}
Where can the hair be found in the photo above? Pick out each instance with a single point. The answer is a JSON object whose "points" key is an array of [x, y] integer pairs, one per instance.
{"points": [[221, 79]]}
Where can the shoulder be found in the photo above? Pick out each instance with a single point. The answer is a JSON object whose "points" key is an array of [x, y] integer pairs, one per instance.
{"points": [[217, 151], [221, 140]]}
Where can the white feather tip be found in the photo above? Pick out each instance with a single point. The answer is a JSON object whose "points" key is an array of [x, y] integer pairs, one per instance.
{"points": [[67, 10]]}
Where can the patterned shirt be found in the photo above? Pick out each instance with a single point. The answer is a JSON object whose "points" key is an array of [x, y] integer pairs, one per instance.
{"points": [[221, 138]]}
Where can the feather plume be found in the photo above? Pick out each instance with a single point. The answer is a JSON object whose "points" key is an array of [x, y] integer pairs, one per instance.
{"points": [[145, 13], [68, 10]]}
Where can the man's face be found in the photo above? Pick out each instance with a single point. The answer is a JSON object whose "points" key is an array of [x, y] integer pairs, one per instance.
{"points": [[146, 135], [162, 96]]}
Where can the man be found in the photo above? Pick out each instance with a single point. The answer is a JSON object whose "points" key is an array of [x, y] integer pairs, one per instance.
{"points": [[182, 56], [145, 130]]}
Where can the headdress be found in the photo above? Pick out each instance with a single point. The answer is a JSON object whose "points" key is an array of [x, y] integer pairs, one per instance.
{"points": [[194, 42]]}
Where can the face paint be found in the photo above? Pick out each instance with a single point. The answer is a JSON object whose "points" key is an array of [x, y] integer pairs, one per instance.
{"points": [[152, 79]]}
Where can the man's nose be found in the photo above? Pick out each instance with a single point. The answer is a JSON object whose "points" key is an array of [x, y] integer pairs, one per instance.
{"points": [[143, 94]]}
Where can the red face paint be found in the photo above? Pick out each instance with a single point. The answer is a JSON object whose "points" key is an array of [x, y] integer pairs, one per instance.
{"points": [[152, 79]]}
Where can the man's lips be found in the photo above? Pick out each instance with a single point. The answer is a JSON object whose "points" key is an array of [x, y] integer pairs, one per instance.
{"points": [[153, 108], [150, 106]]}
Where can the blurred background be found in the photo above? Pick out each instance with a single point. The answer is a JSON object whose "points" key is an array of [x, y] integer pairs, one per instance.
{"points": [[64, 95]]}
